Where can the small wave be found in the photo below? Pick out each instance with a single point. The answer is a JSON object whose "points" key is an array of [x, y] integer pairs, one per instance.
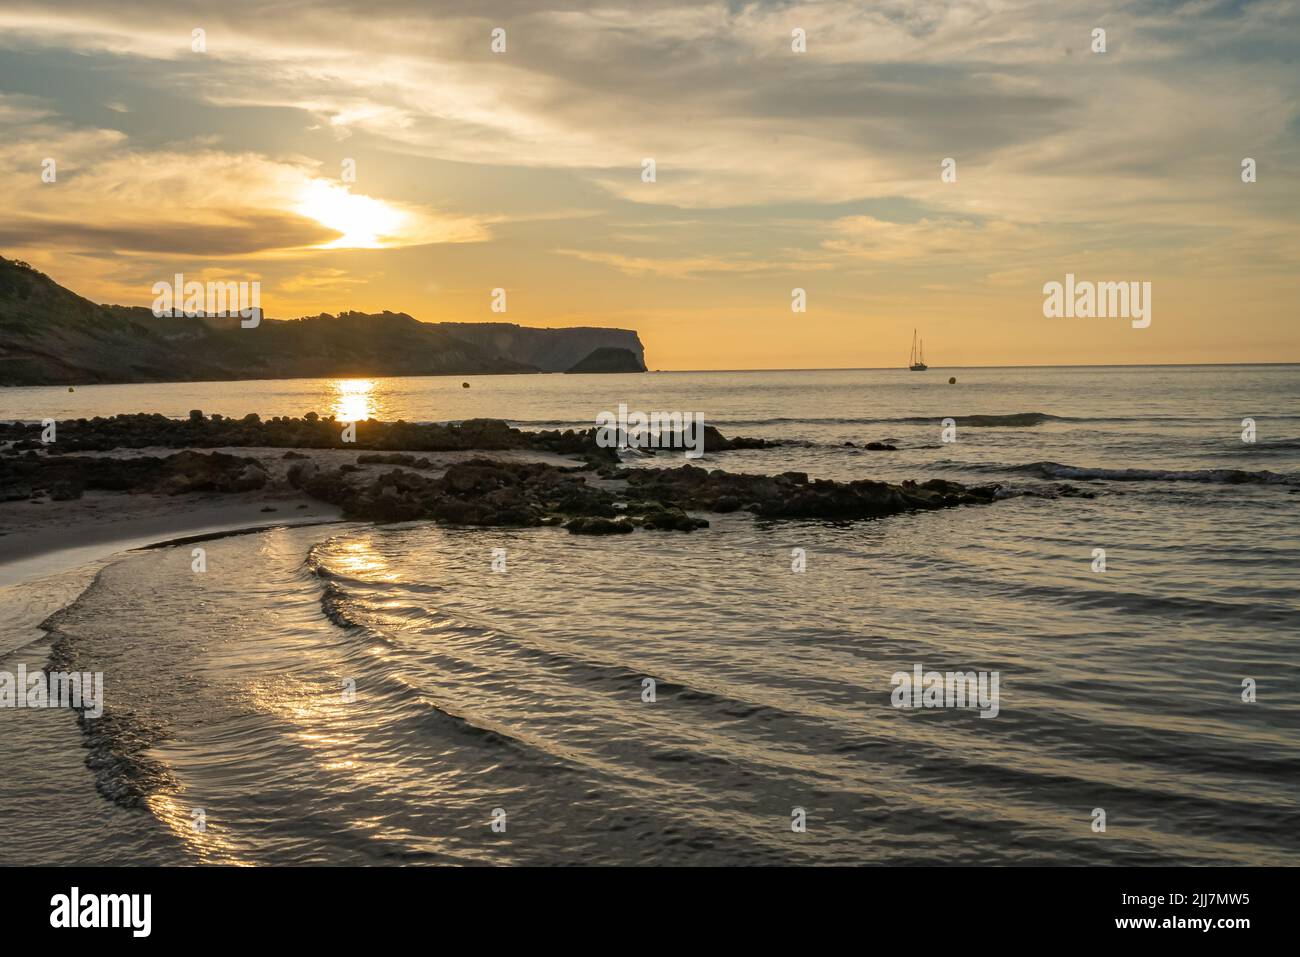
{"points": [[1012, 419], [1008, 420], [1055, 470], [1280, 445]]}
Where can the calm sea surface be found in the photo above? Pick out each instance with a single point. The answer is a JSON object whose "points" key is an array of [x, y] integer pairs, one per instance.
{"points": [[478, 694]]}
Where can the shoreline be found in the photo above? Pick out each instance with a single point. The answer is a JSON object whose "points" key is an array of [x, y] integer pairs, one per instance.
{"points": [[38, 538], [30, 558]]}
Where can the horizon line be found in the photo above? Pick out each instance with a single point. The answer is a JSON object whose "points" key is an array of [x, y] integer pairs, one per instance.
{"points": [[1049, 365]]}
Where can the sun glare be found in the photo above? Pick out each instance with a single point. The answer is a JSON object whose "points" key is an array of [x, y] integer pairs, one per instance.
{"points": [[352, 399], [365, 222]]}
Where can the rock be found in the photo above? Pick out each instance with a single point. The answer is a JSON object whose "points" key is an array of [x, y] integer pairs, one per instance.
{"points": [[302, 474], [66, 476], [672, 519], [880, 447], [490, 434], [252, 477], [63, 491], [792, 495], [598, 526]]}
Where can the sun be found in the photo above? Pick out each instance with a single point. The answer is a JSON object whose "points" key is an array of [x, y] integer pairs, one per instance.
{"points": [[365, 222]]}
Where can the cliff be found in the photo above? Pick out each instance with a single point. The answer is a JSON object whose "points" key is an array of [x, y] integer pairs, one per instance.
{"points": [[551, 350], [609, 359]]}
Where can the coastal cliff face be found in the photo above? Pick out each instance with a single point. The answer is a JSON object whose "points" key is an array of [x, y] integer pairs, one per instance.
{"points": [[51, 336], [609, 359], [550, 350]]}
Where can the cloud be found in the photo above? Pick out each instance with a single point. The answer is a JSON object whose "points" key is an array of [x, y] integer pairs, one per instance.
{"points": [[714, 93], [687, 267], [108, 196]]}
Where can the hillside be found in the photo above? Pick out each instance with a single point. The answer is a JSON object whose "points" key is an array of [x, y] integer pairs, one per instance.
{"points": [[51, 336]]}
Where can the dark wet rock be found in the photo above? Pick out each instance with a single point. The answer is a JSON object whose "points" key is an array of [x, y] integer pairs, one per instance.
{"points": [[67, 476], [393, 458], [598, 526], [880, 447], [293, 455], [477, 492], [65, 490], [490, 434], [685, 439], [793, 496], [671, 519]]}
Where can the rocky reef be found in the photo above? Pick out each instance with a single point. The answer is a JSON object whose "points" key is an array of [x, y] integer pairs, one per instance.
{"points": [[65, 477], [792, 495], [487, 492], [593, 496], [312, 431]]}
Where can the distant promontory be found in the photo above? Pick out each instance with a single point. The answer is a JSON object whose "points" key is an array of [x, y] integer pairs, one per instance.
{"points": [[51, 336]]}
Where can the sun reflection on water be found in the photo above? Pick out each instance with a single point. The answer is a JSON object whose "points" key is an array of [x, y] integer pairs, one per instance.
{"points": [[353, 401]]}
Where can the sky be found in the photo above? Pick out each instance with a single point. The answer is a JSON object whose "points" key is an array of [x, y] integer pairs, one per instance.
{"points": [[225, 154]]}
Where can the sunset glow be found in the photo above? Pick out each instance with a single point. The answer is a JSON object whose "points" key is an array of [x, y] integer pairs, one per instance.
{"points": [[364, 222]]}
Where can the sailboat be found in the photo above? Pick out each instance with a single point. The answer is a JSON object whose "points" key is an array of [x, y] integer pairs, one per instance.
{"points": [[918, 354]]}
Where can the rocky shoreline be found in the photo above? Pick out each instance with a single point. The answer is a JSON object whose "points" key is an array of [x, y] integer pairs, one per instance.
{"points": [[390, 480]]}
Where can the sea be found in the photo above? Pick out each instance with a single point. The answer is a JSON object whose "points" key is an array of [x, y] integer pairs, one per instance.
{"points": [[422, 694]]}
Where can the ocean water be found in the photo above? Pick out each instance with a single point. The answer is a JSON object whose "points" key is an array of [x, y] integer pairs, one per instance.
{"points": [[379, 695]]}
